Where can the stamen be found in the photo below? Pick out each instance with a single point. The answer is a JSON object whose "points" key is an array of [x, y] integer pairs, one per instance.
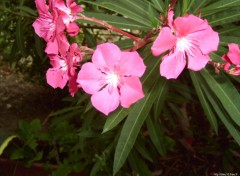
{"points": [[183, 44], [112, 79]]}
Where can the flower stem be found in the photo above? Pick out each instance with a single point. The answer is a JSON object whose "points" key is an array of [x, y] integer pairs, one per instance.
{"points": [[110, 27]]}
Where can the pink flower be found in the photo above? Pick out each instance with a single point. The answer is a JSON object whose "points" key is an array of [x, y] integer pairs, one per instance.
{"points": [[69, 15], [58, 44], [112, 78], [188, 38], [64, 69], [45, 25], [232, 59], [50, 27]]}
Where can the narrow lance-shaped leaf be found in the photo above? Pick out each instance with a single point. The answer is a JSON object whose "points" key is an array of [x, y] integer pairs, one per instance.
{"points": [[226, 93], [223, 116], [222, 4], [133, 125], [159, 5], [205, 105]]}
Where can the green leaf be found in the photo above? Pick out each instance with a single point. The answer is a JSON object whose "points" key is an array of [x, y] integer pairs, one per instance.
{"points": [[153, 16], [225, 40], [138, 164], [5, 143], [27, 10], [133, 125], [116, 21], [226, 93], [140, 147], [205, 105], [156, 136], [224, 117], [19, 36], [133, 9], [222, 4], [158, 4], [224, 17]]}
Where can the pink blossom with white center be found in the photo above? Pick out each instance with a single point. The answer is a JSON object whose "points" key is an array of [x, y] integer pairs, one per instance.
{"points": [[189, 39], [232, 59], [64, 69], [69, 13], [112, 78]]}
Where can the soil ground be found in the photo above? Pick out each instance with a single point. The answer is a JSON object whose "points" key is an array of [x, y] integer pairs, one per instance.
{"points": [[23, 99]]}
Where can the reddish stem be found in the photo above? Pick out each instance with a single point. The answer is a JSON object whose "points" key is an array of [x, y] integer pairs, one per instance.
{"points": [[110, 27], [173, 4]]}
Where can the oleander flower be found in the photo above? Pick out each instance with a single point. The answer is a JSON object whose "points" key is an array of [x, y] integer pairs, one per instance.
{"points": [[189, 39], [64, 69], [49, 26], [232, 59], [69, 13], [112, 78], [45, 24]]}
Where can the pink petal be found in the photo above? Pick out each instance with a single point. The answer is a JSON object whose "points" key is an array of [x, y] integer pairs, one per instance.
{"points": [[130, 91], [165, 41], [197, 62], [104, 101], [55, 61], [106, 55], [60, 4], [173, 65], [131, 63], [170, 18], [56, 78], [75, 8], [72, 29], [90, 78], [234, 53], [208, 40], [189, 24], [42, 7], [52, 47]]}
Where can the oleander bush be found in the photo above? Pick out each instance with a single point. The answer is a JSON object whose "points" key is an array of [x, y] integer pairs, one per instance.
{"points": [[153, 84]]}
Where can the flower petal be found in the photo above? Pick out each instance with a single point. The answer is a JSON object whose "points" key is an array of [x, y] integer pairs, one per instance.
{"points": [[131, 63], [56, 78], [72, 29], [208, 40], [42, 7], [106, 55], [104, 101], [198, 61], [234, 53], [130, 91], [90, 78], [189, 24], [52, 47], [165, 41], [173, 65]]}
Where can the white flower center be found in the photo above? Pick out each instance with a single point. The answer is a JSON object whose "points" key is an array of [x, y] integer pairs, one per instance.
{"points": [[112, 79], [63, 65], [183, 44]]}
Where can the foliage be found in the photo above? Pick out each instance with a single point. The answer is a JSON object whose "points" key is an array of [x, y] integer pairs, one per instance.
{"points": [[135, 140]]}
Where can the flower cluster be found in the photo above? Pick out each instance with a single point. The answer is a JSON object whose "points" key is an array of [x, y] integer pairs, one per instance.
{"points": [[232, 60], [189, 39], [112, 78], [51, 24]]}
